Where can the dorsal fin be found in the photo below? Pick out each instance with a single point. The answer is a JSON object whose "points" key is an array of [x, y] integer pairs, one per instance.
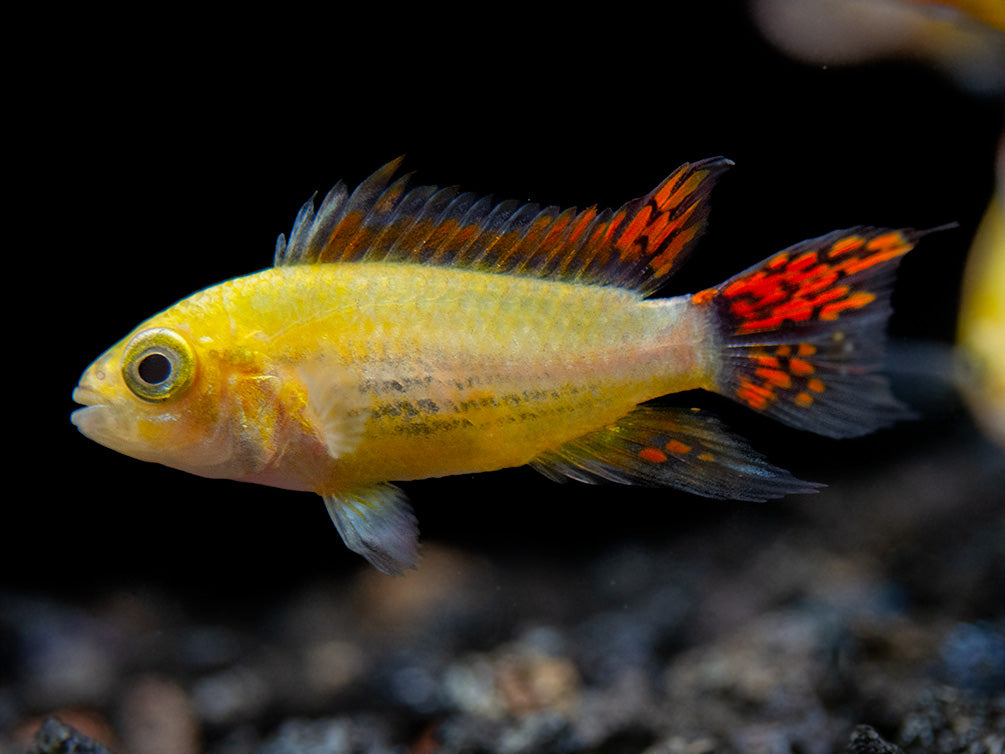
{"points": [[634, 247]]}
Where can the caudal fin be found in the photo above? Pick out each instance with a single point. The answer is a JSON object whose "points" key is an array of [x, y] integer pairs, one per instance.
{"points": [[803, 332]]}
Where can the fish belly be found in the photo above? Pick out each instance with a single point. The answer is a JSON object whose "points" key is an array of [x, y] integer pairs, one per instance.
{"points": [[460, 371]]}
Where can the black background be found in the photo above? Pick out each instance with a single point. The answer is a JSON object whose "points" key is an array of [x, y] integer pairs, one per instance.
{"points": [[164, 157]]}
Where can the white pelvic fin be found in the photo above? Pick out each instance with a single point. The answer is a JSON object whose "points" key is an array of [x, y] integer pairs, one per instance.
{"points": [[336, 406], [377, 522]]}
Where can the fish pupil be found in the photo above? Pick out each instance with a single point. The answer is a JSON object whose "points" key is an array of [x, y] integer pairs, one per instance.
{"points": [[154, 368]]}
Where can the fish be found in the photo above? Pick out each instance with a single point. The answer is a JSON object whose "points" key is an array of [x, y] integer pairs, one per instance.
{"points": [[407, 333], [962, 39], [980, 357]]}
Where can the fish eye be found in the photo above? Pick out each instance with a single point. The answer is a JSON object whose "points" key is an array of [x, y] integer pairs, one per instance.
{"points": [[154, 368], [158, 364]]}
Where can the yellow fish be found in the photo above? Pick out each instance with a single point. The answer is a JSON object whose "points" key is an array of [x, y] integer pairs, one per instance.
{"points": [[413, 333], [981, 327]]}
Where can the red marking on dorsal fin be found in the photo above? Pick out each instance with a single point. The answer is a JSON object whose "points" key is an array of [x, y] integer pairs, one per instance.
{"points": [[636, 246]]}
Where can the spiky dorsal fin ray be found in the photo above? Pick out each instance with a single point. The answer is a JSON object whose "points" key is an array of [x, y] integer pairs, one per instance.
{"points": [[636, 246]]}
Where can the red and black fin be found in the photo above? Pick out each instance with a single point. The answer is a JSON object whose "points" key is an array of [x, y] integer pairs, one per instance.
{"points": [[634, 247], [803, 332], [671, 447]]}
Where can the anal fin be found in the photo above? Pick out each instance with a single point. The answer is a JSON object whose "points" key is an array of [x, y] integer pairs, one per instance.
{"points": [[682, 448], [377, 522]]}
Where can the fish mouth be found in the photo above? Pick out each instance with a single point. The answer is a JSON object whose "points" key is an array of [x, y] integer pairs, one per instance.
{"points": [[101, 421], [91, 401]]}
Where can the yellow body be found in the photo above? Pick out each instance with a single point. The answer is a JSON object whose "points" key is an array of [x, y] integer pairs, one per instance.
{"points": [[982, 322], [428, 371], [406, 333]]}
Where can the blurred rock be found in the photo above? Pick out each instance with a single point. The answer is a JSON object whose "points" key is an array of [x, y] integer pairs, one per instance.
{"points": [[443, 582], [234, 695], [948, 720], [865, 740], [64, 656], [157, 717], [359, 735], [56, 737], [973, 657]]}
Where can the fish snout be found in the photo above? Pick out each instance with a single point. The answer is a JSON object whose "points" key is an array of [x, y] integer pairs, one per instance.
{"points": [[89, 394], [90, 399]]}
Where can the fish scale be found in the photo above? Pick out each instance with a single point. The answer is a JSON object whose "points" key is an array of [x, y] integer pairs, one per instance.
{"points": [[487, 366]]}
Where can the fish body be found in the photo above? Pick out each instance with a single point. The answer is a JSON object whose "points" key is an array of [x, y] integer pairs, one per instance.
{"points": [[981, 326], [443, 366], [407, 334]]}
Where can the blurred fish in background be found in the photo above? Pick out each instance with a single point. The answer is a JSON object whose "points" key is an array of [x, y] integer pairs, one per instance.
{"points": [[965, 41], [981, 333]]}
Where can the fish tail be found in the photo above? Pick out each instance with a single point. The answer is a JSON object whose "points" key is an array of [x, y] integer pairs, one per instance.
{"points": [[802, 333]]}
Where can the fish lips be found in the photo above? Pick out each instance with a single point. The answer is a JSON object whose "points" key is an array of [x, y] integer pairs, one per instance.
{"points": [[101, 422], [90, 399], [93, 415]]}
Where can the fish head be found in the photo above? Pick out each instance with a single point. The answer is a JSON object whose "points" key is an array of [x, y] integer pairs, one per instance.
{"points": [[152, 397]]}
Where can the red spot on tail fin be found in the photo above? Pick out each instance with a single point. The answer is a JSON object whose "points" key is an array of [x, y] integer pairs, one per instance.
{"points": [[811, 283], [796, 341]]}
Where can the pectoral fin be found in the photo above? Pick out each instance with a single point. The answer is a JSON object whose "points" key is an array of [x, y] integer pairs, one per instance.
{"points": [[335, 405], [377, 522]]}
